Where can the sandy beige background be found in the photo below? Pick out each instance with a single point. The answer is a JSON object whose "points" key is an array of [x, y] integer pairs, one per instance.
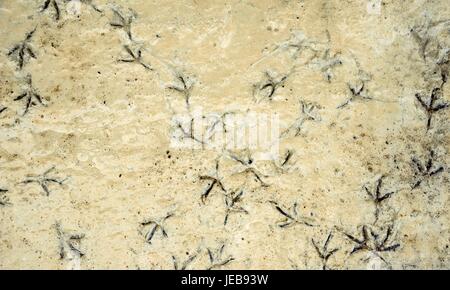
{"points": [[106, 127]]}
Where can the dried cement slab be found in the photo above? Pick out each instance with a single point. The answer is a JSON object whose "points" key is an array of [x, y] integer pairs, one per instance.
{"points": [[109, 110]]}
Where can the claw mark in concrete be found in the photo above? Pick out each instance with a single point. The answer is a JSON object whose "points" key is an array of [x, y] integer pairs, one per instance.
{"points": [[433, 50], [291, 216], [222, 121], [285, 162], [30, 95], [123, 22], [22, 52], [287, 157], [309, 112], [153, 226], [295, 46], [423, 35], [323, 251], [184, 87], [430, 106], [134, 56], [327, 62], [247, 162], [44, 180], [425, 170], [358, 92], [69, 245], [268, 87], [52, 4], [376, 196], [374, 241], [216, 258], [213, 181], [232, 201], [184, 124], [185, 264]]}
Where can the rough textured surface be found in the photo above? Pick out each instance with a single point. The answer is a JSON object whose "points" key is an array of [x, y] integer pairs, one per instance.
{"points": [[372, 78]]}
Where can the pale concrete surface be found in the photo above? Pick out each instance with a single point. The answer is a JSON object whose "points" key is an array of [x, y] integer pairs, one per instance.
{"points": [[365, 72]]}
